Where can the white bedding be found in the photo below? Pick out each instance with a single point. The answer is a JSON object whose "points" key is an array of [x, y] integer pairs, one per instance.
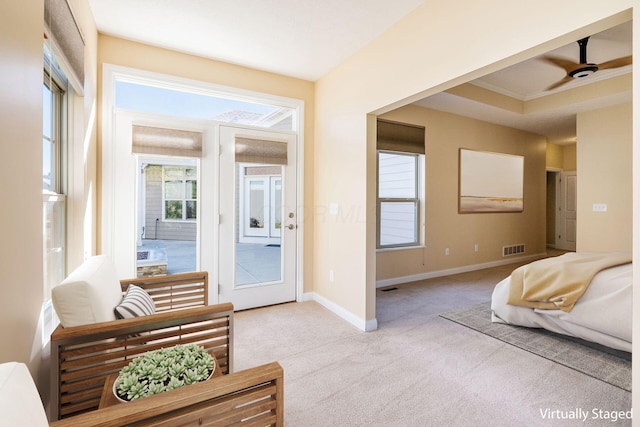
{"points": [[602, 315]]}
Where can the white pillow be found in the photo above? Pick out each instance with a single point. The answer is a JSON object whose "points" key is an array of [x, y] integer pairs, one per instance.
{"points": [[89, 294], [20, 403], [136, 302]]}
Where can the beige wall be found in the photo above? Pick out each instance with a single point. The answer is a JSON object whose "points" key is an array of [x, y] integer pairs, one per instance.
{"points": [[21, 120], [410, 60], [561, 157], [445, 227], [569, 158], [130, 54], [604, 176]]}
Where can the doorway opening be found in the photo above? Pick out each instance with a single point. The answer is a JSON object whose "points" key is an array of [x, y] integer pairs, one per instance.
{"points": [[561, 212], [180, 225]]}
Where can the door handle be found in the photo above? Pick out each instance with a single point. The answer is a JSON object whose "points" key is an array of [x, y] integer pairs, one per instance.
{"points": [[291, 226]]}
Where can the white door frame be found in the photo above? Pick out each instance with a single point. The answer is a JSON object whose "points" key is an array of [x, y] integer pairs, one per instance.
{"points": [[264, 293], [123, 174], [112, 73]]}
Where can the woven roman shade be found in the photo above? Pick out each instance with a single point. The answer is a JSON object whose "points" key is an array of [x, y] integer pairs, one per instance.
{"points": [[393, 136], [166, 142], [59, 19], [249, 150]]}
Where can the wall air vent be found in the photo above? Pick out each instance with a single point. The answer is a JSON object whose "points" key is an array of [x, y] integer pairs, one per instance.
{"points": [[512, 250]]}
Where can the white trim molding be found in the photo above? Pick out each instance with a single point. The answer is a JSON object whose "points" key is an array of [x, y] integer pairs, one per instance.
{"points": [[363, 325], [456, 270]]}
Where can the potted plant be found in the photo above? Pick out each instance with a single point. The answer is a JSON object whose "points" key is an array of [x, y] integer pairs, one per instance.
{"points": [[162, 370]]}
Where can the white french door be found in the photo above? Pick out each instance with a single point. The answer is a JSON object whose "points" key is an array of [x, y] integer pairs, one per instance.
{"points": [[258, 217]]}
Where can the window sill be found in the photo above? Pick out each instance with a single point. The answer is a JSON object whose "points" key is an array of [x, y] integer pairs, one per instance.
{"points": [[400, 248]]}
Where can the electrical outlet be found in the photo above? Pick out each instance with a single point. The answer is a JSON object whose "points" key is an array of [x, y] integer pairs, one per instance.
{"points": [[599, 207], [475, 247], [331, 276], [446, 251]]}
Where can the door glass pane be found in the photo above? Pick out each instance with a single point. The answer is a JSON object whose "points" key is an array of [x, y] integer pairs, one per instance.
{"points": [[167, 229], [258, 251], [256, 204], [276, 206]]}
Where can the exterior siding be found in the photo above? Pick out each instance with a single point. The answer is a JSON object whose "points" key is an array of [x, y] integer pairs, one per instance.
{"points": [[155, 227]]}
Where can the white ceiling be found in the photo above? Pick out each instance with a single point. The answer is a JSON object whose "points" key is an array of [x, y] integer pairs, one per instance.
{"points": [[307, 38], [529, 80], [298, 38]]}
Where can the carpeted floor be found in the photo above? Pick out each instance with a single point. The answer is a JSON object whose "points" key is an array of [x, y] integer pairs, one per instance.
{"points": [[608, 365], [417, 369]]}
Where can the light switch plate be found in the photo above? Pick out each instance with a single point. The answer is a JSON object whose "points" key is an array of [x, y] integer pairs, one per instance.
{"points": [[599, 207]]}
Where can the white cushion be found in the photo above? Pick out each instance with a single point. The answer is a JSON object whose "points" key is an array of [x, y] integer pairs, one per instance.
{"points": [[89, 294], [136, 302], [20, 403]]}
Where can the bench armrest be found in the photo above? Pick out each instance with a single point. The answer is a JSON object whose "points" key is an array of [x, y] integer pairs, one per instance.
{"points": [[83, 356], [250, 396], [174, 291]]}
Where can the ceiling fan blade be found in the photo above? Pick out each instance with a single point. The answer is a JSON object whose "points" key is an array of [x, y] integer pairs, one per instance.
{"points": [[615, 63], [556, 85], [566, 65]]}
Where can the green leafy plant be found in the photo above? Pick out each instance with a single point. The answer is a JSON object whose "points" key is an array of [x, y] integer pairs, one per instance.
{"points": [[162, 370]]}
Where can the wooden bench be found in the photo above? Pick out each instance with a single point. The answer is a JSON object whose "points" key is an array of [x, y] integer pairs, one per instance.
{"points": [[83, 356], [252, 397]]}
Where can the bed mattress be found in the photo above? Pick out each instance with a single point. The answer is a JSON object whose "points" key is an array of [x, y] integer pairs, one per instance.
{"points": [[602, 315]]}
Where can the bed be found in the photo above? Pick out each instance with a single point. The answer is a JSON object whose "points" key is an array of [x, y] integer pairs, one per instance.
{"points": [[602, 313]]}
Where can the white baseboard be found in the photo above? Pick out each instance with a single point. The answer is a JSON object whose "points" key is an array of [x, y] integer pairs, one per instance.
{"points": [[363, 325], [372, 325], [456, 270]]}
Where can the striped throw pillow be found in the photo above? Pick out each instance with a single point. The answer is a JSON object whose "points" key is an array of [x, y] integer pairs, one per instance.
{"points": [[136, 302]]}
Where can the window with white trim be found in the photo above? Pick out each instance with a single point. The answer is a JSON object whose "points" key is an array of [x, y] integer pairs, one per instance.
{"points": [[54, 94], [180, 193], [398, 199], [400, 180]]}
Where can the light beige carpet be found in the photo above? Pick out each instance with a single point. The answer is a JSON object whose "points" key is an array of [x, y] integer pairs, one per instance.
{"points": [[417, 369], [606, 364]]}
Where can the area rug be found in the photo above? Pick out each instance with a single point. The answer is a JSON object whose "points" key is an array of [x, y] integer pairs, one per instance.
{"points": [[603, 363]]}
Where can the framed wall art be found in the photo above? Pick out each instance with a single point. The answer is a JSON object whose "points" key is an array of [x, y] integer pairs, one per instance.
{"points": [[490, 182]]}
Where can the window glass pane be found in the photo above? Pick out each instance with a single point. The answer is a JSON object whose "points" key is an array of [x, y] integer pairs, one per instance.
{"points": [[151, 99], [47, 125], [192, 208], [173, 189], [398, 223], [173, 209], [48, 157], [173, 173], [192, 190], [191, 173], [54, 254], [397, 176]]}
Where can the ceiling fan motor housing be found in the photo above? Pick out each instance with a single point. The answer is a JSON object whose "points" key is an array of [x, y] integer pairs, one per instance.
{"points": [[584, 71]]}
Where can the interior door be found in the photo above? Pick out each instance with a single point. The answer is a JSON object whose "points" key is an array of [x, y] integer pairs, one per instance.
{"points": [[258, 217], [567, 211]]}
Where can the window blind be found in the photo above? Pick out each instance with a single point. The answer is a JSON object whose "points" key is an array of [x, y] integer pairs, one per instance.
{"points": [[166, 142], [249, 150], [393, 136], [59, 19]]}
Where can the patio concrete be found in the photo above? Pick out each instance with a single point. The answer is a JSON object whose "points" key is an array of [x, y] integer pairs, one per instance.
{"points": [[255, 263]]}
